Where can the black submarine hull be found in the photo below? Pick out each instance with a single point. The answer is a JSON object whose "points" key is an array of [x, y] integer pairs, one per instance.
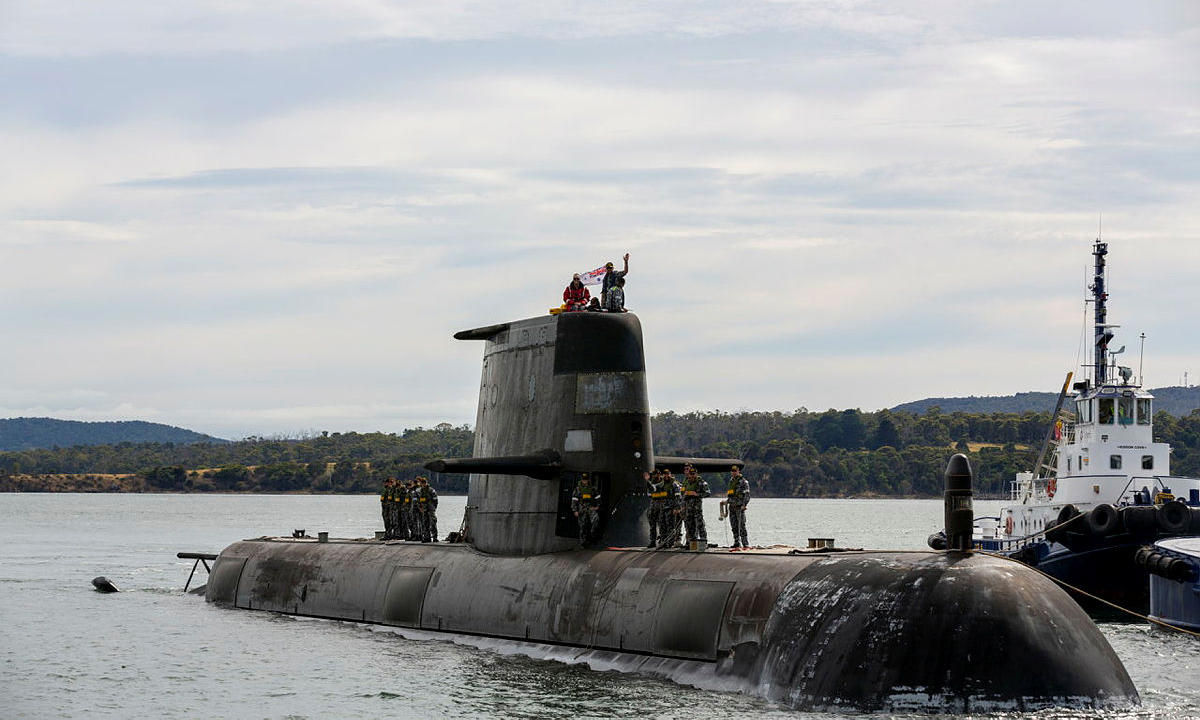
{"points": [[859, 631]]}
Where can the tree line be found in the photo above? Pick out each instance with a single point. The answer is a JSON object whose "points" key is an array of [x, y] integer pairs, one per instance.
{"points": [[834, 453]]}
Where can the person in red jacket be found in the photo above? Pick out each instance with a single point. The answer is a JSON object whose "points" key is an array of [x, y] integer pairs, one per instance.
{"points": [[576, 296]]}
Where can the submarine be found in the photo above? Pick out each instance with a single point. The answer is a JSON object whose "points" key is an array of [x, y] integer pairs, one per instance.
{"points": [[852, 631]]}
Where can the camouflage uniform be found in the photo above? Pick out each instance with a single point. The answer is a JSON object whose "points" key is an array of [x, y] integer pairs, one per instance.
{"points": [[585, 503], [403, 516], [672, 520], [408, 511], [427, 502], [695, 489], [656, 514], [397, 532], [385, 507], [737, 496]]}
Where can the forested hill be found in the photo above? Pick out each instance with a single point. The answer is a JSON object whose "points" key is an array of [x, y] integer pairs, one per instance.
{"points": [[29, 433], [1178, 401], [1019, 403], [835, 453]]}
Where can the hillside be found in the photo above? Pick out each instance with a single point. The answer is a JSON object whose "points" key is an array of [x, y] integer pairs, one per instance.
{"points": [[30, 433], [836, 453], [1178, 401]]}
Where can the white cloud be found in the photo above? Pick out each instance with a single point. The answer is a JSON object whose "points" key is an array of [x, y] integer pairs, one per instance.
{"points": [[828, 204]]}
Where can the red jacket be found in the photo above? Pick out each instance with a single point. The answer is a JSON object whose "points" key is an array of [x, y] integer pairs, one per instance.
{"points": [[576, 298]]}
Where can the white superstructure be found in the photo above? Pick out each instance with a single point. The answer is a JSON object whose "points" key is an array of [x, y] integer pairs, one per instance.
{"points": [[1101, 452]]}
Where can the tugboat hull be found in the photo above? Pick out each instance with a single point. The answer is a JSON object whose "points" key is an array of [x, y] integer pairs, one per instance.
{"points": [[1107, 572]]}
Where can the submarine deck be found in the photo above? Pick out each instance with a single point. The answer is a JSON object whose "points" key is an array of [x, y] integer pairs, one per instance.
{"points": [[752, 550], [818, 628]]}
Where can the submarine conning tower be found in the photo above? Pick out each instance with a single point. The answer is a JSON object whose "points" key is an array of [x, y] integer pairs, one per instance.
{"points": [[560, 395]]}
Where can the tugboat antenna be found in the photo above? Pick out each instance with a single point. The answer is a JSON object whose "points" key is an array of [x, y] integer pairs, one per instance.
{"points": [[1103, 331], [1141, 359]]}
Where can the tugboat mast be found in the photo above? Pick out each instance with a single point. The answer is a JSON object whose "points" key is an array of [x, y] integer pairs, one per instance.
{"points": [[1100, 296]]}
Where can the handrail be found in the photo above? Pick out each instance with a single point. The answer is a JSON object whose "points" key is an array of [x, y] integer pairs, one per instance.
{"points": [[199, 558]]}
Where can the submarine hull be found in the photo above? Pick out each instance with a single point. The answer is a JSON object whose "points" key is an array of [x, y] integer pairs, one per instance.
{"points": [[855, 631]]}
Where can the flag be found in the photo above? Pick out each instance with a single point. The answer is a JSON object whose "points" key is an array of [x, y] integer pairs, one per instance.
{"points": [[595, 277]]}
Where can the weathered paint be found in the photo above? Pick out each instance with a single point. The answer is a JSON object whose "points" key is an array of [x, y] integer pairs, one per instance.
{"points": [[856, 630], [573, 384]]}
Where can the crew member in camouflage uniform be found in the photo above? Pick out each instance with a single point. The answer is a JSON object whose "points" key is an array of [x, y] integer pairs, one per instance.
{"points": [[427, 502], [737, 497], [397, 526], [403, 516], [656, 514], [695, 489], [385, 506], [409, 511], [585, 503], [672, 520]]}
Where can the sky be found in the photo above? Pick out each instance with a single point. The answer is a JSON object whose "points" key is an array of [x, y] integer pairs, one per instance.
{"points": [[269, 218]]}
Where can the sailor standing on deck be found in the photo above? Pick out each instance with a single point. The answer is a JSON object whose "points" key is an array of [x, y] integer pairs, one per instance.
{"points": [[737, 497], [408, 510], [695, 489], [427, 502], [385, 507], [585, 503], [403, 516], [672, 521], [397, 532], [656, 514]]}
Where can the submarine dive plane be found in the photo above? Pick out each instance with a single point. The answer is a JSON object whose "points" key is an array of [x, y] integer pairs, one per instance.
{"points": [[848, 631]]}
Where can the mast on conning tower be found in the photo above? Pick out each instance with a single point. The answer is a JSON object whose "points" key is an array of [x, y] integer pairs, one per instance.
{"points": [[1104, 332]]}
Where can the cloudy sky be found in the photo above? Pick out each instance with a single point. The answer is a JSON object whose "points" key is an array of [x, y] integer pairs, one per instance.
{"points": [[270, 217]]}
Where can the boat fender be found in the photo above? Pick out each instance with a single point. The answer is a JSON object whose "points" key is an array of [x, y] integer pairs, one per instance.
{"points": [[1173, 517], [1102, 521], [1142, 555], [1173, 568], [1008, 525], [1164, 565], [1057, 532], [1066, 514], [1139, 521]]}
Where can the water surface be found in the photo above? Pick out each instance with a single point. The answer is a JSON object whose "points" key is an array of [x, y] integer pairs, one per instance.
{"points": [[152, 652]]}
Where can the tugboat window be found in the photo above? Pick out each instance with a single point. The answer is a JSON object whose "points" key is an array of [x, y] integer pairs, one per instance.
{"points": [[1125, 411], [1085, 412], [1144, 411], [1114, 462], [1147, 462], [1106, 411]]}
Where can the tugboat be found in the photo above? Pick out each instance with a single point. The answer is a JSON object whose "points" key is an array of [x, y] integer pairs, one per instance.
{"points": [[1103, 487]]}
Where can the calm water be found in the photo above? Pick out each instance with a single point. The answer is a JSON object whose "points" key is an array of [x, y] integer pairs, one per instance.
{"points": [[152, 652]]}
